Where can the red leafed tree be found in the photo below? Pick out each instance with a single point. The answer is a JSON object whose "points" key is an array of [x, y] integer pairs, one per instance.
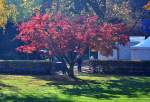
{"points": [[65, 37]]}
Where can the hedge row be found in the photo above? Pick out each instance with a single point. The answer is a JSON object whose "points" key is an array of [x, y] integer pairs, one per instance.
{"points": [[25, 67], [122, 67]]}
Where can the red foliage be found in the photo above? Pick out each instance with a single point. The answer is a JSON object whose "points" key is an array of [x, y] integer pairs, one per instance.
{"points": [[60, 35]]}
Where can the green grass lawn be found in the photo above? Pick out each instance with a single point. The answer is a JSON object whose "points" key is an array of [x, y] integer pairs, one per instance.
{"points": [[90, 88]]}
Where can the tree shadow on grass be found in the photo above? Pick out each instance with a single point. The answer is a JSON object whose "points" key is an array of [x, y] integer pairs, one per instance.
{"points": [[131, 87], [10, 93], [15, 98], [4, 86]]}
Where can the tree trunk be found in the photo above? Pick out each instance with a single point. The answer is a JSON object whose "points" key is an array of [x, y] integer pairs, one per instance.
{"points": [[58, 5], [71, 71]]}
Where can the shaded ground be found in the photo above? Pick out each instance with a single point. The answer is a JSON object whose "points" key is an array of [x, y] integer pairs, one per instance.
{"points": [[90, 88]]}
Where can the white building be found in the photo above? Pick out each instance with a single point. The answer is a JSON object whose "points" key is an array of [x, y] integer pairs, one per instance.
{"points": [[124, 52], [141, 51]]}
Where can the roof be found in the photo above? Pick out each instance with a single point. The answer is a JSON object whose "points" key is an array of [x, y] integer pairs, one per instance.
{"points": [[143, 44]]}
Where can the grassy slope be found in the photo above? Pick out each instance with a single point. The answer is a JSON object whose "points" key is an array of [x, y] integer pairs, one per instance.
{"points": [[62, 89]]}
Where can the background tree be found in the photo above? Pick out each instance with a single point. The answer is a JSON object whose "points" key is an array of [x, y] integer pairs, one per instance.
{"points": [[147, 6], [7, 12], [24, 8], [127, 11]]}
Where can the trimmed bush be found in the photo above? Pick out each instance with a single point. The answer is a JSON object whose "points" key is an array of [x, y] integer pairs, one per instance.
{"points": [[25, 67], [122, 67]]}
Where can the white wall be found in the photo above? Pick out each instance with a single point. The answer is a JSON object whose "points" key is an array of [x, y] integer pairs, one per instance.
{"points": [[140, 54], [124, 52]]}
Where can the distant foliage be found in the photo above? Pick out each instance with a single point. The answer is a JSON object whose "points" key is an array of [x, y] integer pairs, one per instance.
{"points": [[147, 6], [24, 8], [7, 12], [125, 10]]}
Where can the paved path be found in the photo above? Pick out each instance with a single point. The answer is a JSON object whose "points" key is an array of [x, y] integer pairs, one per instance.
{"points": [[85, 69]]}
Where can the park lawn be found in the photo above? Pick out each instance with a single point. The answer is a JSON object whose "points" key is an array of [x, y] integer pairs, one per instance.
{"points": [[91, 88]]}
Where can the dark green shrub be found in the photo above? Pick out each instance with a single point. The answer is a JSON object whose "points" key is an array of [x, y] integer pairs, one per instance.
{"points": [[122, 67]]}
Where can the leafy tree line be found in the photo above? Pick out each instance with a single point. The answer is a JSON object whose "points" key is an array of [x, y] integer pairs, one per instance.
{"points": [[105, 9]]}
